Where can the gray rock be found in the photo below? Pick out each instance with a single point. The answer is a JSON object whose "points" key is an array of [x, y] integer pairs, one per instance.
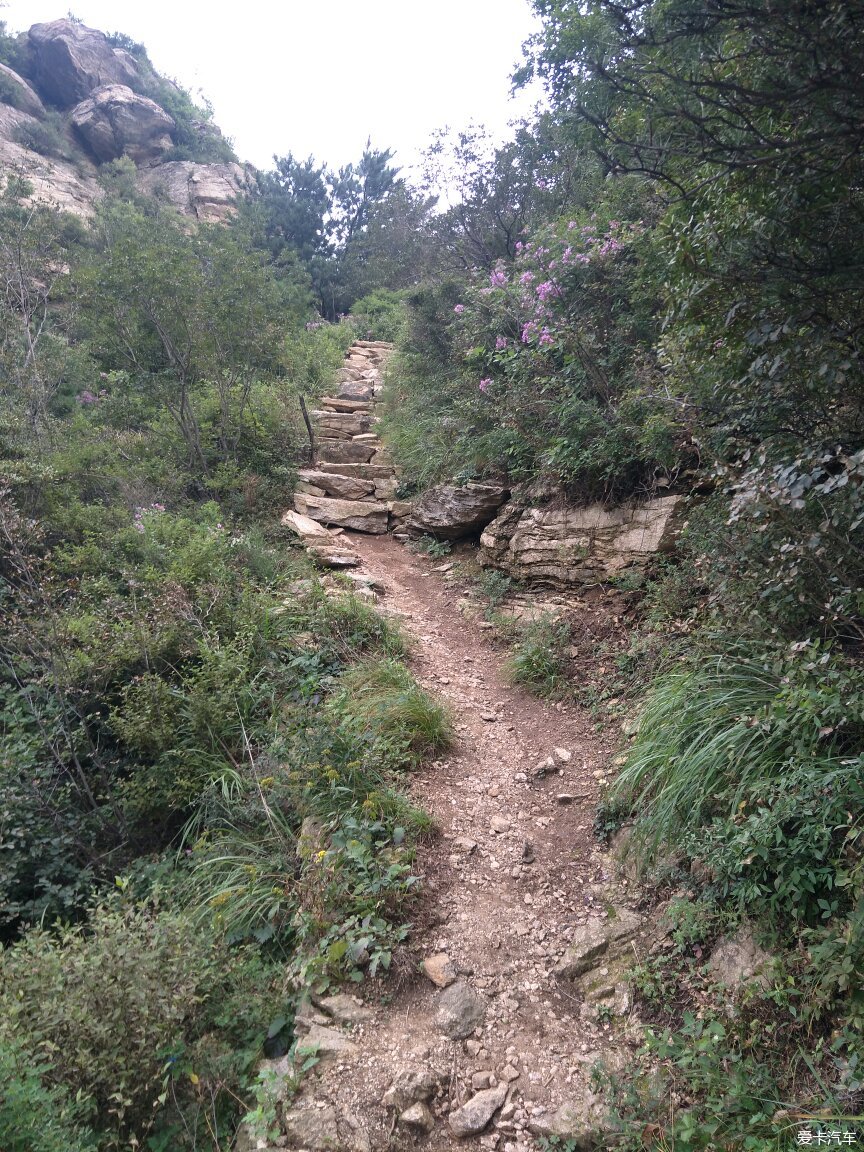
{"points": [[314, 1128], [479, 1110], [738, 961], [451, 513], [346, 452], [208, 192], [115, 121], [499, 824], [361, 515], [412, 1085], [418, 1116], [344, 1009], [342, 487], [15, 91], [593, 939], [460, 1010], [580, 1122], [564, 544], [325, 1043], [71, 60]]}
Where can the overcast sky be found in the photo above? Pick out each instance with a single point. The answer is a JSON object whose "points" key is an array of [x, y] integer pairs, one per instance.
{"points": [[319, 76]]}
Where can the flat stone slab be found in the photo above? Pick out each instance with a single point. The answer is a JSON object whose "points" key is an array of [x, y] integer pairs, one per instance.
{"points": [[335, 404], [593, 939], [335, 484], [366, 471], [305, 527], [344, 451], [361, 515]]}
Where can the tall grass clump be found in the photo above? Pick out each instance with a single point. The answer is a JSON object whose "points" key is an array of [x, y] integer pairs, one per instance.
{"points": [[723, 738], [381, 695], [540, 658]]}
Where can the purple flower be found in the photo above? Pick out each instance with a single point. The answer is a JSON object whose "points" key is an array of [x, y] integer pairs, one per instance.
{"points": [[545, 337], [547, 289], [485, 384], [526, 278], [459, 309], [528, 330], [87, 397], [498, 278], [500, 342], [541, 184]]}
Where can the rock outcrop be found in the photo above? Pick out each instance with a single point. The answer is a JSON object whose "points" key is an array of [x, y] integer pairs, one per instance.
{"points": [[452, 512], [15, 91], [570, 545], [70, 61], [207, 191], [98, 88], [115, 121]]}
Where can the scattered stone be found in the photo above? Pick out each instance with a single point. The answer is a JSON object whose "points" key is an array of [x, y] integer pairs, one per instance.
{"points": [[499, 824], [561, 755], [508, 1072], [440, 969], [418, 1116], [480, 1080], [488, 716], [476, 1114], [528, 852], [460, 1010], [464, 845], [593, 939], [411, 1085], [544, 767]]}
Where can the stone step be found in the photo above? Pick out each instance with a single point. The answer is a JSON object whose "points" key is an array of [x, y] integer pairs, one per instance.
{"points": [[341, 425], [384, 345], [367, 471], [337, 404], [336, 484], [345, 451], [361, 515]]}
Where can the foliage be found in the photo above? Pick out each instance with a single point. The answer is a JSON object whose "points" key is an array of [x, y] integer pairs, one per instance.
{"points": [[540, 658], [35, 1116], [378, 316]]}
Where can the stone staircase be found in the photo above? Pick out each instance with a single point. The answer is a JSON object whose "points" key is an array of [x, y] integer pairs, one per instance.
{"points": [[350, 483]]}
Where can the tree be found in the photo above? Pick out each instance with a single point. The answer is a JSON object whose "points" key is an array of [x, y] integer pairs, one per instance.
{"points": [[179, 310]]}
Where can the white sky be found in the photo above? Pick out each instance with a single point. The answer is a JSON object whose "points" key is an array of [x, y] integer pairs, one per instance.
{"points": [[319, 76]]}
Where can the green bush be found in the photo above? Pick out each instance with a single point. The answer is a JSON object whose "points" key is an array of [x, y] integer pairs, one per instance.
{"points": [[379, 316], [36, 1116], [540, 660]]}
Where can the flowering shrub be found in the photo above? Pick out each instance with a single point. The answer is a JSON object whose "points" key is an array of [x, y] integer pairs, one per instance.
{"points": [[556, 373]]}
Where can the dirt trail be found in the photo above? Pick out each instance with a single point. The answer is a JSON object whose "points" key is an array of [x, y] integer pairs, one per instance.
{"points": [[504, 910]]}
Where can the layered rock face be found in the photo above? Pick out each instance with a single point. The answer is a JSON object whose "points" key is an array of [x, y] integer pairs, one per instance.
{"points": [[77, 71], [570, 545]]}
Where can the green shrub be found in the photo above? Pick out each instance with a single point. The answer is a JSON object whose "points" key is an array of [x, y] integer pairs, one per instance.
{"points": [[540, 660], [383, 697], [36, 1116], [379, 316]]}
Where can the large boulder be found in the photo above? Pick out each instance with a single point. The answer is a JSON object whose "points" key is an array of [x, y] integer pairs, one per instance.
{"points": [[568, 544], [116, 121], [595, 939], [15, 91], [207, 191], [452, 512], [70, 61]]}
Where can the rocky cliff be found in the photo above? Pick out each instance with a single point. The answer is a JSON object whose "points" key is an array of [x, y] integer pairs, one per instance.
{"points": [[76, 100]]}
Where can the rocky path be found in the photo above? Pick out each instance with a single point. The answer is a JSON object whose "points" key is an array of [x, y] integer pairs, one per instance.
{"points": [[516, 988]]}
